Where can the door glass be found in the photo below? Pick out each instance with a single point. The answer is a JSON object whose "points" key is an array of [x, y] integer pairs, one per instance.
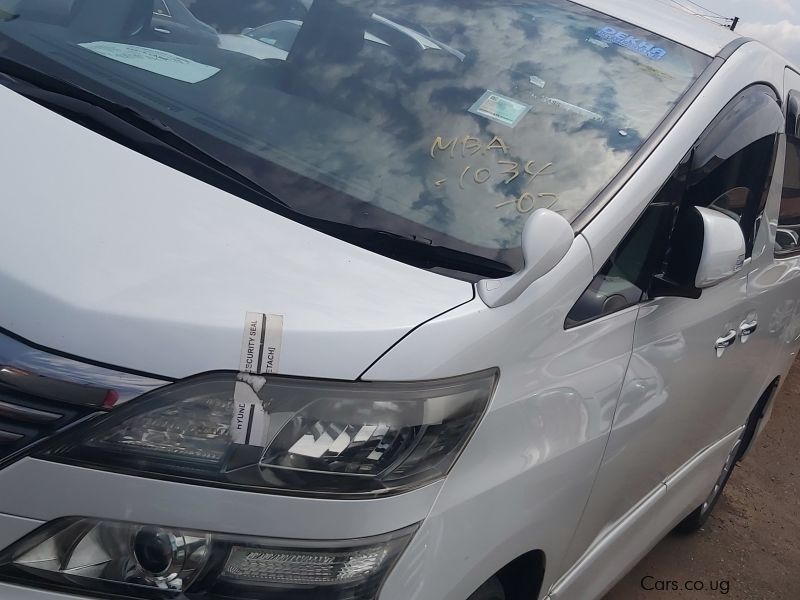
{"points": [[626, 277], [733, 203], [787, 238], [734, 158], [729, 169]]}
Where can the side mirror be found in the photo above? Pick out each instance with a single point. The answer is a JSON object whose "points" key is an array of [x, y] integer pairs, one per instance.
{"points": [[546, 239], [723, 248]]}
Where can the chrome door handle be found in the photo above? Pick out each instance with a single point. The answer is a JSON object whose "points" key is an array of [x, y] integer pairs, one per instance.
{"points": [[746, 329], [725, 342], [161, 30]]}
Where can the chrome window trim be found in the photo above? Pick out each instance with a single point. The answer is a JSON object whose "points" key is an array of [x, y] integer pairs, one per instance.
{"points": [[605, 196], [29, 368]]}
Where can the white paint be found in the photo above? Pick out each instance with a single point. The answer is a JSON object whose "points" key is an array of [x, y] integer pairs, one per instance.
{"points": [[117, 258]]}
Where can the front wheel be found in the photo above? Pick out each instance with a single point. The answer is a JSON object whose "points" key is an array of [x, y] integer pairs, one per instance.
{"points": [[491, 590], [700, 515]]}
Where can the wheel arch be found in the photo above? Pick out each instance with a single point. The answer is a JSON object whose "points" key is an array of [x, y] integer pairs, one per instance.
{"points": [[522, 578], [759, 416]]}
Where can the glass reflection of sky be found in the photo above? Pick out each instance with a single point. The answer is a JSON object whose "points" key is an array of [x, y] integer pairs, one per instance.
{"points": [[371, 129], [367, 87]]}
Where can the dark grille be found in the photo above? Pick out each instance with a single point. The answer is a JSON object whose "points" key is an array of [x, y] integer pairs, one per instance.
{"points": [[26, 419], [42, 392]]}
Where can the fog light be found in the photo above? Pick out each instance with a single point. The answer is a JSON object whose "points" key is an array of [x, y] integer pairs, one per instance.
{"points": [[137, 561]]}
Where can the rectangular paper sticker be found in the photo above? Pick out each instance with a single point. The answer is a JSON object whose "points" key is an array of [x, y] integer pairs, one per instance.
{"points": [[250, 421], [156, 61], [273, 339], [499, 108], [261, 343], [260, 353], [537, 81]]}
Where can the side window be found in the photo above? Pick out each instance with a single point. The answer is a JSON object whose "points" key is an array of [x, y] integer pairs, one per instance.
{"points": [[626, 277], [729, 169], [734, 158], [787, 238]]}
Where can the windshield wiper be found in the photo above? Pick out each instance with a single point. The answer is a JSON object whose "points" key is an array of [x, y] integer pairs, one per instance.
{"points": [[421, 253], [118, 122], [150, 136]]}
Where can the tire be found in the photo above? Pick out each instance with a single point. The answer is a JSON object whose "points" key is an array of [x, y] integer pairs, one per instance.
{"points": [[491, 590], [698, 517]]}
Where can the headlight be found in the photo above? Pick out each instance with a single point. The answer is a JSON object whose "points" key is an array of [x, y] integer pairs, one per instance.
{"points": [[131, 560], [288, 435]]}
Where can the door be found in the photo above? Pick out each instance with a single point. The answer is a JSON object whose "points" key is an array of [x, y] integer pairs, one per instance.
{"points": [[689, 374], [774, 282]]}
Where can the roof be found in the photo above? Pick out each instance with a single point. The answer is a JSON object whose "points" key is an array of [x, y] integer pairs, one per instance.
{"points": [[668, 21]]}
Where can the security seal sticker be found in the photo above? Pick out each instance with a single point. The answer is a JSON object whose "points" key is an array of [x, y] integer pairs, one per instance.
{"points": [[250, 419], [156, 61], [260, 354], [261, 343], [499, 108]]}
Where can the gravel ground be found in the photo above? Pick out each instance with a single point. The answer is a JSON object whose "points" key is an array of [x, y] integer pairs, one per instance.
{"points": [[751, 544]]}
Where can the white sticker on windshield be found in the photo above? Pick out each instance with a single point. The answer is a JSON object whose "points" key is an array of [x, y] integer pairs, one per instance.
{"points": [[537, 81], [499, 108], [156, 61]]}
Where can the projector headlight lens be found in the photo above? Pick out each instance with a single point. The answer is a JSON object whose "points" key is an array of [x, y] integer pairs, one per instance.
{"points": [[145, 561], [286, 434]]}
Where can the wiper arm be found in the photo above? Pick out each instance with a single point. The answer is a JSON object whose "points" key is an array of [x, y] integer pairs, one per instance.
{"points": [[412, 250], [118, 122], [154, 138]]}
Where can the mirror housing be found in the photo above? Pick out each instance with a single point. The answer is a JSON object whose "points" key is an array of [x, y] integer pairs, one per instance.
{"points": [[546, 239], [723, 248]]}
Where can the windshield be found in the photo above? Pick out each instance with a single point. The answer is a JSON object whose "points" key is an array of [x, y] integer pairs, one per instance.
{"points": [[443, 121]]}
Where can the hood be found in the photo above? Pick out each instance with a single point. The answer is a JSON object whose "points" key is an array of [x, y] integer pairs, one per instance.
{"points": [[111, 256]]}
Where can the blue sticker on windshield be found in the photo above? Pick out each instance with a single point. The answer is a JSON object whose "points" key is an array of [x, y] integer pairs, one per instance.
{"points": [[626, 40]]}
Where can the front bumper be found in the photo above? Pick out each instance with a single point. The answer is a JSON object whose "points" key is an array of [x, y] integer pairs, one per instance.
{"points": [[14, 592]]}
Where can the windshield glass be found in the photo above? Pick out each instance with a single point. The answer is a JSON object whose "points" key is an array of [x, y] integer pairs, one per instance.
{"points": [[443, 121]]}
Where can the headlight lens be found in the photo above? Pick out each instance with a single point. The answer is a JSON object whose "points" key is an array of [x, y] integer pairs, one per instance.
{"points": [[145, 561], [288, 435]]}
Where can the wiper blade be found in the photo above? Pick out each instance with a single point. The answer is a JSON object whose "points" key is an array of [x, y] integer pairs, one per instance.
{"points": [[413, 250], [119, 122], [152, 137]]}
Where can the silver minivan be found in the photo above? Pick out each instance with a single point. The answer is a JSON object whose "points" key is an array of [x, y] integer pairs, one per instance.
{"points": [[381, 299]]}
